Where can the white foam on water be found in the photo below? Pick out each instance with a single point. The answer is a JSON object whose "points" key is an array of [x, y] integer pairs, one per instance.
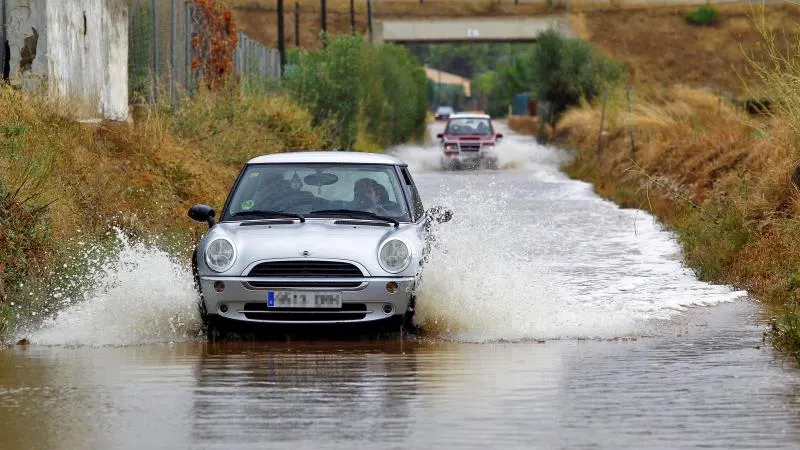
{"points": [[531, 254], [513, 152], [140, 295]]}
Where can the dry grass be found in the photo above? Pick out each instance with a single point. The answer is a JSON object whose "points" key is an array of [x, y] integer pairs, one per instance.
{"points": [[530, 125], [660, 48]]}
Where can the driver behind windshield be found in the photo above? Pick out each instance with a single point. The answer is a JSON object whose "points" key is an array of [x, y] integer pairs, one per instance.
{"points": [[369, 195]]}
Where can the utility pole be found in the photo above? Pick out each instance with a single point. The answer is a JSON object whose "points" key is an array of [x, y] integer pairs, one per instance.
{"points": [[297, 24], [155, 51], [324, 6], [173, 32], [352, 16], [281, 37], [369, 19], [3, 40]]}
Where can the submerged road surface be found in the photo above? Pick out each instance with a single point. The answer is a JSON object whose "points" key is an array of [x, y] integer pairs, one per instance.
{"points": [[553, 320]]}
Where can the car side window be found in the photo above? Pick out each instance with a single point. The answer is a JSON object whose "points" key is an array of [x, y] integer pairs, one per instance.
{"points": [[416, 200]]}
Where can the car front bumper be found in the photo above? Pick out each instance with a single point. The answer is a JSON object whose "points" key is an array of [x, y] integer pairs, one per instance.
{"points": [[467, 158], [368, 302]]}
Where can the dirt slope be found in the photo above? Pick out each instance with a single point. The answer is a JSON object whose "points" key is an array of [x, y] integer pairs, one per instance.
{"points": [[659, 46]]}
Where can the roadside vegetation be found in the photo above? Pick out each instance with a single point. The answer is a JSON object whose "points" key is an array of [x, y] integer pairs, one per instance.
{"points": [[720, 171], [373, 95], [557, 72]]}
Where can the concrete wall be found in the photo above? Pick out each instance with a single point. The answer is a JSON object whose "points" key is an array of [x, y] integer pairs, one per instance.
{"points": [[87, 44], [81, 52], [26, 31]]}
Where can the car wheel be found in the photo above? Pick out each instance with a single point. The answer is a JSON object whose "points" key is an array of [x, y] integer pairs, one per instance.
{"points": [[201, 305], [214, 328], [408, 317]]}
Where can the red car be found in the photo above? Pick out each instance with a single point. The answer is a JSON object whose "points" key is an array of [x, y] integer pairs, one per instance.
{"points": [[469, 141]]}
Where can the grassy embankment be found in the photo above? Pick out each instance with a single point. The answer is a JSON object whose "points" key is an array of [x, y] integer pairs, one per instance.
{"points": [[65, 184], [724, 180]]}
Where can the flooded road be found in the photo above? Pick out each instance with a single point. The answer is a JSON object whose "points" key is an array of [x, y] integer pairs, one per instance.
{"points": [[553, 320]]}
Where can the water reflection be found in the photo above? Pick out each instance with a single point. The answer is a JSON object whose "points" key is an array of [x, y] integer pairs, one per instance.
{"points": [[700, 381], [304, 392]]}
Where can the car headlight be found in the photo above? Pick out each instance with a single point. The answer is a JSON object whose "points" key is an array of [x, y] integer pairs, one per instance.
{"points": [[394, 255], [451, 147], [220, 254]]}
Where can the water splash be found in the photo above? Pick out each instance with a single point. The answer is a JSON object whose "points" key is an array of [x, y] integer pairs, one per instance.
{"points": [[531, 254], [139, 295], [514, 152]]}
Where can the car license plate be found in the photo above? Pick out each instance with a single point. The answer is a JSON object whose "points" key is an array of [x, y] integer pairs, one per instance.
{"points": [[303, 299]]}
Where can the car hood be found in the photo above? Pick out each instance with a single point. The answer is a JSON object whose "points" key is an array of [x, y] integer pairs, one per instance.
{"points": [[322, 239]]}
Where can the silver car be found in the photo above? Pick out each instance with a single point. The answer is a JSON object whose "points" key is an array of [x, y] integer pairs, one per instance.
{"points": [[314, 238]]}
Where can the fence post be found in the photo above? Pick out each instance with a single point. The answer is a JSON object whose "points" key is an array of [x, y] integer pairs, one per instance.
{"points": [[281, 37], [630, 129], [602, 119], [155, 51], [369, 19], [2, 40], [297, 24], [324, 18], [352, 16], [173, 31], [187, 34]]}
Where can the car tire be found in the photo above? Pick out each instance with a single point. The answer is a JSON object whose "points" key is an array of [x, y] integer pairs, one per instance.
{"points": [[201, 305], [408, 318], [215, 329]]}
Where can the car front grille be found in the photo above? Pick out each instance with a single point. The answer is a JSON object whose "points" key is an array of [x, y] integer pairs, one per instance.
{"points": [[349, 311], [305, 269], [470, 147], [305, 284]]}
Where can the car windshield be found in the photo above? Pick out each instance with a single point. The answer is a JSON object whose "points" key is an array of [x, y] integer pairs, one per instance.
{"points": [[461, 126], [277, 189], [444, 110]]}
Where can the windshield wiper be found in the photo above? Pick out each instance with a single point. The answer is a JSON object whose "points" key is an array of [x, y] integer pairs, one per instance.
{"points": [[356, 213], [268, 214]]}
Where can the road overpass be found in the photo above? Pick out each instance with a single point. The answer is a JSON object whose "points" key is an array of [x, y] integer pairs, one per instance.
{"points": [[478, 29]]}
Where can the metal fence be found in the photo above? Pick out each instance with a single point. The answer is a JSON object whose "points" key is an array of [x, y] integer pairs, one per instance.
{"points": [[160, 51]]}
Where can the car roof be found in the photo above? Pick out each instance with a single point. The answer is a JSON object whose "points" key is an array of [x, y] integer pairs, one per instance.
{"points": [[470, 116], [327, 157]]}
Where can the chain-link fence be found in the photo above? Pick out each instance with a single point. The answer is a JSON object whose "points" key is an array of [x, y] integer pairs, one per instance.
{"points": [[161, 52]]}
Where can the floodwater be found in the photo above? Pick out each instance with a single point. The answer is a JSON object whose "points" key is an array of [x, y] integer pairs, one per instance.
{"points": [[553, 319]]}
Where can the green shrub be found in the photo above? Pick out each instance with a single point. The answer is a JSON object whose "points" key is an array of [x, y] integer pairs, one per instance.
{"points": [[565, 70], [351, 85], [235, 128], [704, 15], [328, 82], [556, 69]]}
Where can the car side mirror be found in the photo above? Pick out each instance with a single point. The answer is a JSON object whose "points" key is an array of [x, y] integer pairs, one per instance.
{"points": [[439, 214], [499, 135], [203, 213], [440, 136]]}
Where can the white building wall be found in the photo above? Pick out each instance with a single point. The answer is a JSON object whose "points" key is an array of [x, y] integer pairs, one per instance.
{"points": [[82, 53]]}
